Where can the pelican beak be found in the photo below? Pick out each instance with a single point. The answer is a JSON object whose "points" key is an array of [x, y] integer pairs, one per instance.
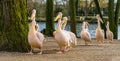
{"points": [[98, 17], [87, 24], [107, 22], [101, 20], [32, 15], [59, 16]]}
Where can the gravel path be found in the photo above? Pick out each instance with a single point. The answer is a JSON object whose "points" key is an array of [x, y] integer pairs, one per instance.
{"points": [[93, 52]]}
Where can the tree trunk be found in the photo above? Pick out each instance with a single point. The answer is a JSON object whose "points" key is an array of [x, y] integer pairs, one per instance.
{"points": [[76, 6], [99, 12], [14, 25], [49, 18], [116, 19], [117, 12], [72, 16], [111, 19]]}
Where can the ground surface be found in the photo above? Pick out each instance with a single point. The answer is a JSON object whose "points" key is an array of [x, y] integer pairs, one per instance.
{"points": [[94, 52]]}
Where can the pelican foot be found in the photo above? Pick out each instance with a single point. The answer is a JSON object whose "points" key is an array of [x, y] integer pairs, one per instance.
{"points": [[110, 42], [66, 49], [40, 53], [60, 52], [30, 53]]}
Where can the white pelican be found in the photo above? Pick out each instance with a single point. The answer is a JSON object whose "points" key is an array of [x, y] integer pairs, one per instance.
{"points": [[35, 38], [85, 35], [99, 31], [61, 36], [72, 35], [109, 34]]}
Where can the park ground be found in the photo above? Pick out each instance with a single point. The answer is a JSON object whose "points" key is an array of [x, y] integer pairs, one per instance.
{"points": [[80, 52]]}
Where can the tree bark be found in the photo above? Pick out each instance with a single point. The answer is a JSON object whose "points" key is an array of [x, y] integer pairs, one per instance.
{"points": [[72, 16], [76, 6], [111, 19], [14, 25], [49, 18]]}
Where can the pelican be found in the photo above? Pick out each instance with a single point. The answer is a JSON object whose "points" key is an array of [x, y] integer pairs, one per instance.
{"points": [[99, 31], [72, 35], [62, 38], [109, 34], [35, 38], [85, 35]]}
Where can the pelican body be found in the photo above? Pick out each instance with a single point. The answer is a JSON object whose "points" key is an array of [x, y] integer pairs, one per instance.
{"points": [[64, 38], [35, 38], [85, 35], [72, 35], [99, 31], [109, 34]]}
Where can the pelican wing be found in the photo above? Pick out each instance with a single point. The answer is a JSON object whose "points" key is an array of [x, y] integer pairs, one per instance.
{"points": [[73, 38], [40, 36], [88, 37]]}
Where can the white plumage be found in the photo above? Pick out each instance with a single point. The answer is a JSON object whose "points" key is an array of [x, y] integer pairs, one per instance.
{"points": [[99, 31], [85, 35], [109, 34], [35, 38]]}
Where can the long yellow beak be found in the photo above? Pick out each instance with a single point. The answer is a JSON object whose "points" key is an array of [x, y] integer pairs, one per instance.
{"points": [[59, 16]]}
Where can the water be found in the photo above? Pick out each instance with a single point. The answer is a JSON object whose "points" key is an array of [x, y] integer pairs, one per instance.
{"points": [[92, 28]]}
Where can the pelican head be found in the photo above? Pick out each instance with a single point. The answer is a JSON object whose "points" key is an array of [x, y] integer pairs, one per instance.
{"points": [[33, 11], [87, 24], [98, 18], [59, 16], [32, 15], [64, 22], [65, 18]]}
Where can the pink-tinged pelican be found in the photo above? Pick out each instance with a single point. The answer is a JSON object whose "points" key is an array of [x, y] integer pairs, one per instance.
{"points": [[35, 38], [99, 31], [72, 35], [62, 38], [85, 35], [109, 34]]}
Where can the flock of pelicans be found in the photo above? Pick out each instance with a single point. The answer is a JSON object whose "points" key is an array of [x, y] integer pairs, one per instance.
{"points": [[65, 39]]}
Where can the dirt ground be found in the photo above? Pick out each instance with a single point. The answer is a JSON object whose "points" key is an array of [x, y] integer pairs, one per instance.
{"points": [[93, 52]]}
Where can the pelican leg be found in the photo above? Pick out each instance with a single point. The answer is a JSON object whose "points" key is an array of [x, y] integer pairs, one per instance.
{"points": [[86, 43], [30, 51], [110, 41], [102, 42], [67, 48], [40, 51], [60, 51]]}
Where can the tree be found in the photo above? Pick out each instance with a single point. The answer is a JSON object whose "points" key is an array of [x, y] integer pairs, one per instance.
{"points": [[113, 17], [76, 6], [99, 12], [13, 25], [49, 18], [72, 16]]}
